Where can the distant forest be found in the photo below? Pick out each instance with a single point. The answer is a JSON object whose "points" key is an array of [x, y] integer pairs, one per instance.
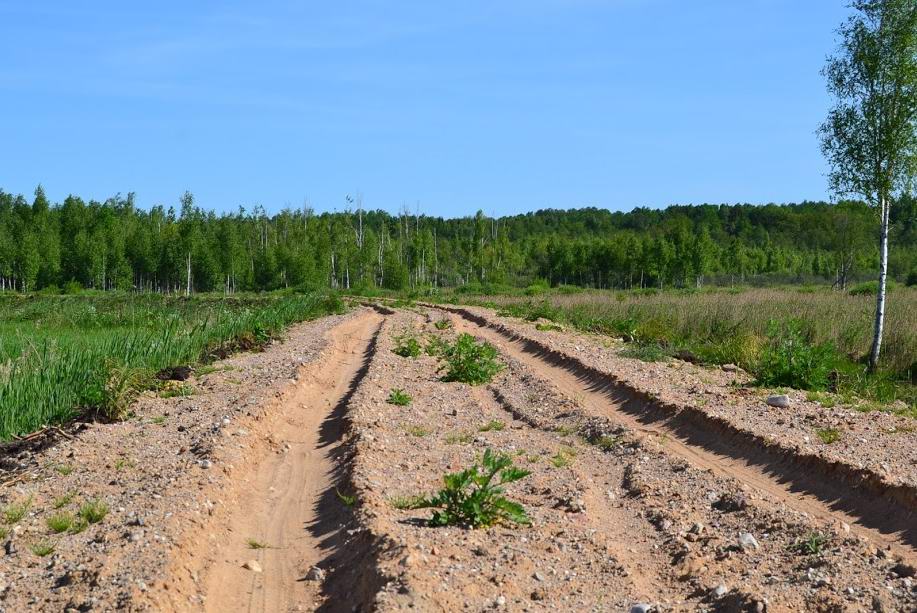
{"points": [[115, 245]]}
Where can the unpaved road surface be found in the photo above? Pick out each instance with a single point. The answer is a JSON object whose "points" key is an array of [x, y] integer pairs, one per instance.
{"points": [[278, 485]]}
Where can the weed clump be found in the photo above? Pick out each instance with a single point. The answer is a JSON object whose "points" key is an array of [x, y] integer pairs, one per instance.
{"points": [[473, 498], [828, 435], [790, 360], [470, 361], [398, 397], [93, 511], [406, 345]]}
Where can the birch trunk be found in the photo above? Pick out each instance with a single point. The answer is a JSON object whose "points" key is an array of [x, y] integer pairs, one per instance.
{"points": [[881, 290]]}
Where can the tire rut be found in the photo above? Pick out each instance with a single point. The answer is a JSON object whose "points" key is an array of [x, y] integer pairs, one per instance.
{"points": [[290, 512], [798, 487]]}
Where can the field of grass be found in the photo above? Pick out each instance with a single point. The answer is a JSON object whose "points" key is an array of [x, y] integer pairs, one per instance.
{"points": [[810, 338], [61, 356]]}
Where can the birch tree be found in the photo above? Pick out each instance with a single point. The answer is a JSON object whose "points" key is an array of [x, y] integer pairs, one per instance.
{"points": [[869, 137]]}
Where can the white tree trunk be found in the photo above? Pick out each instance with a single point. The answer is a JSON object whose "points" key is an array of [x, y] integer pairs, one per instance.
{"points": [[881, 290]]}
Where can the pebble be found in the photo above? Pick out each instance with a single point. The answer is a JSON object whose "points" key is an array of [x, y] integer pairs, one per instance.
{"points": [[315, 574], [641, 607], [720, 591], [253, 566], [781, 401], [748, 541]]}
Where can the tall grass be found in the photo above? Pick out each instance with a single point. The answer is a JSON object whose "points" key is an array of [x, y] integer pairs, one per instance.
{"points": [[739, 325], [64, 355]]}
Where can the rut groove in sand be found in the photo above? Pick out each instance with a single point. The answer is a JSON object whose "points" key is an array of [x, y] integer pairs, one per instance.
{"points": [[291, 503], [803, 490]]}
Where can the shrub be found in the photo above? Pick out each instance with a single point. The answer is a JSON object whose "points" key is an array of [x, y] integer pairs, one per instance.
{"points": [[790, 360], [869, 288], [399, 397], [436, 346], [472, 499], [406, 345], [442, 324], [469, 361]]}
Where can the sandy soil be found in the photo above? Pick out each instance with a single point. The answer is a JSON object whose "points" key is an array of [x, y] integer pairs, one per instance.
{"points": [[275, 487]]}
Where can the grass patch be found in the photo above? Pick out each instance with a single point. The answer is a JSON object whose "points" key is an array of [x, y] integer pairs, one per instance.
{"points": [[63, 469], [407, 502], [15, 511], [494, 425], [564, 457], [256, 544], [93, 511], [828, 435], [60, 522], [94, 352], [42, 548], [459, 438], [442, 324], [607, 443], [398, 397], [418, 431], [61, 501]]}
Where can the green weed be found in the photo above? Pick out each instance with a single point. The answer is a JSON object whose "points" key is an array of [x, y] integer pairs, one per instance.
{"points": [[472, 498], [398, 397], [472, 362]]}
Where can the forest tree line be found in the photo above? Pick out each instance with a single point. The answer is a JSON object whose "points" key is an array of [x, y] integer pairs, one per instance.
{"points": [[116, 245]]}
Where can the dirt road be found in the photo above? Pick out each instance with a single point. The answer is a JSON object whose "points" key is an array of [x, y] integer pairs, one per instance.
{"points": [[287, 517]]}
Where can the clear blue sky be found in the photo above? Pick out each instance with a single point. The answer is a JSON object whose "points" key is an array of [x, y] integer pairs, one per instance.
{"points": [[504, 106]]}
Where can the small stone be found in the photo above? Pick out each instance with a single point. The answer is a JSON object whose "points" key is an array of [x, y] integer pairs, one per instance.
{"points": [[205, 463], [748, 541], [729, 368], [500, 601], [641, 607], [253, 566], [315, 574], [781, 401], [720, 591]]}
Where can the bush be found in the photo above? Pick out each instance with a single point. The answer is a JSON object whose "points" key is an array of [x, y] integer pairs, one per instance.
{"points": [[912, 279], [869, 288], [469, 361], [471, 499], [789, 359]]}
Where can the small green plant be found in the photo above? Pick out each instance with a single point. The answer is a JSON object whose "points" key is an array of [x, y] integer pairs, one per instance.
{"points": [[93, 511], [42, 548], [418, 431], [458, 438], [63, 469], [407, 502], [406, 345], [122, 387], [544, 327], [62, 501], [122, 463], [607, 443], [4, 532], [176, 391], [60, 522], [811, 545], [399, 397], [472, 362], [256, 544], [828, 435], [442, 324], [645, 352], [436, 346], [348, 499], [494, 425], [472, 498], [15, 511], [158, 420], [564, 457]]}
